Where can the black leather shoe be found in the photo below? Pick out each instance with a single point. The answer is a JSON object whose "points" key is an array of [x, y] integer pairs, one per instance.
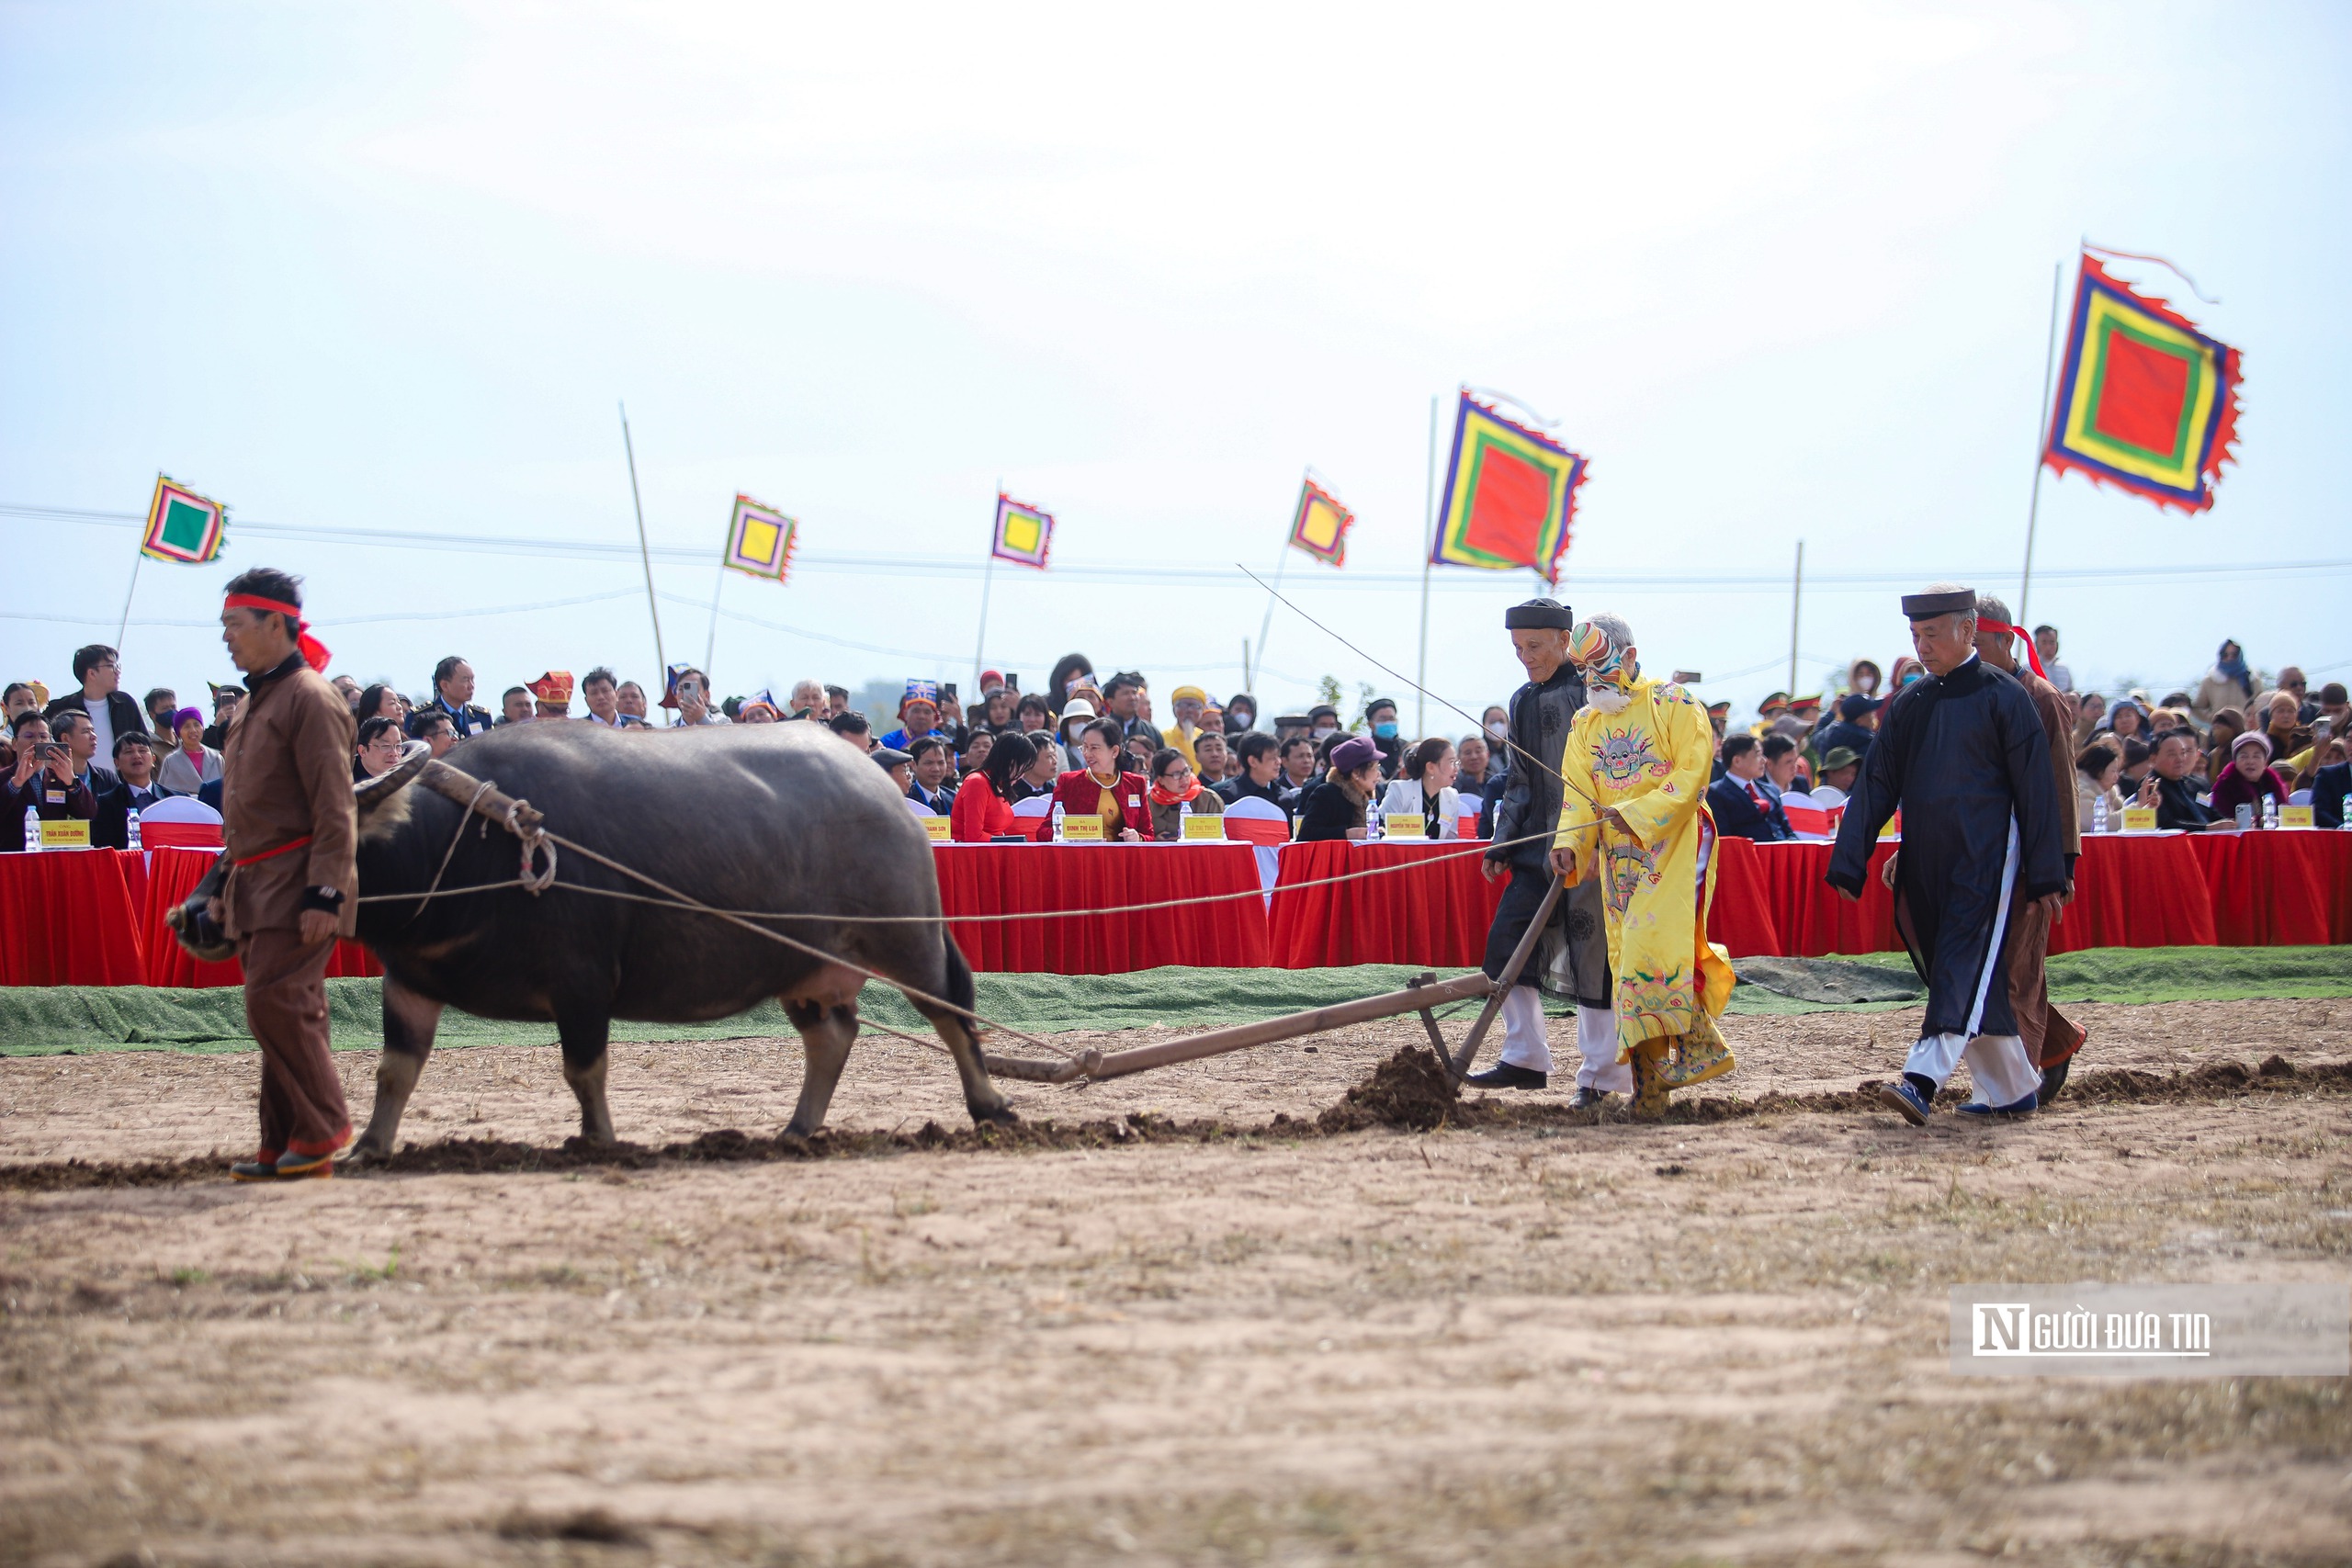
{"points": [[1503, 1074], [1590, 1099], [2053, 1080]]}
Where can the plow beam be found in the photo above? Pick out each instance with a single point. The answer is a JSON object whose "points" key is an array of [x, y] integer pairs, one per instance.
{"points": [[1421, 998]]}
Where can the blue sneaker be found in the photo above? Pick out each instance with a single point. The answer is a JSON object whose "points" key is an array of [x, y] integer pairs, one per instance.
{"points": [[1905, 1101], [2022, 1108]]}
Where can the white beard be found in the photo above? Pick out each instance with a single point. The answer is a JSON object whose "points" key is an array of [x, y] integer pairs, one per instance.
{"points": [[1608, 699]]}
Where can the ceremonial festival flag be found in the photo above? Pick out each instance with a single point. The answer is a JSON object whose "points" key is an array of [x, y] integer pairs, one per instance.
{"points": [[1320, 525], [760, 540], [182, 525], [1023, 533], [1511, 495], [2145, 401]]}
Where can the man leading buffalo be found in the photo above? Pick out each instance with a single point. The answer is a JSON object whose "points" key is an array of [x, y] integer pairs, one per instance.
{"points": [[1540, 713], [1962, 754], [292, 831]]}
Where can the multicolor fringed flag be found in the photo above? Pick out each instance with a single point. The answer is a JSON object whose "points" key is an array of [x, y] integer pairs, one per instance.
{"points": [[2145, 401], [1511, 495], [1022, 532], [760, 540], [1320, 525], [182, 525]]}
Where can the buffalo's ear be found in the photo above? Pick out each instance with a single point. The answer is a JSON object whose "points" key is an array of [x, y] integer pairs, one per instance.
{"points": [[373, 793]]}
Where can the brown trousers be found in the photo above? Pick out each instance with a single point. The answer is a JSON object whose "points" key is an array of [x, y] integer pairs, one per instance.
{"points": [[286, 1008], [2050, 1036]]}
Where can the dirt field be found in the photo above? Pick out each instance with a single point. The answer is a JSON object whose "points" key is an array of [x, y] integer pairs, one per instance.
{"points": [[1542, 1344]]}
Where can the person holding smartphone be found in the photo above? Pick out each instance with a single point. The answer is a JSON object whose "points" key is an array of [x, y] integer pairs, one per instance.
{"points": [[41, 777]]}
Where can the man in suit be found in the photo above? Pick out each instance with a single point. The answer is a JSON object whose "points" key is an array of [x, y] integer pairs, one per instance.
{"points": [[453, 694], [1745, 806], [73, 727], [111, 712], [134, 789]]}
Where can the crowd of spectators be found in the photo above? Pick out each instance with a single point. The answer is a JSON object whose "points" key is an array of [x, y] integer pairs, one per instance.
{"points": [[2237, 747]]}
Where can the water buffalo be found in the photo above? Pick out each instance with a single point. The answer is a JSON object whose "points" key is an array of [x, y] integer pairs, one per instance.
{"points": [[761, 817]]}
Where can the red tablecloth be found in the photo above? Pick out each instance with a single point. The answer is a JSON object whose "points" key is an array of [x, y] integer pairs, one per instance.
{"points": [[2275, 889], [1809, 917], [1002, 879], [1436, 916], [1741, 916], [2135, 891], [66, 919], [172, 875]]}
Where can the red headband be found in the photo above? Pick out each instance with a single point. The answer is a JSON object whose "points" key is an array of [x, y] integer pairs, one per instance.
{"points": [[2033, 654], [314, 652]]}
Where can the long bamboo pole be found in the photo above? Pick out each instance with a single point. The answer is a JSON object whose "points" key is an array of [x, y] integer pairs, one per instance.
{"points": [[1429, 551], [644, 551], [1796, 610], [2042, 434]]}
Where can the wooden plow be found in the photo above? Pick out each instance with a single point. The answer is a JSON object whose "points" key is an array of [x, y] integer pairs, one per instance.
{"points": [[1423, 995]]}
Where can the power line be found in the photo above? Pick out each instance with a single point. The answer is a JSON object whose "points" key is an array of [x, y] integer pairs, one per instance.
{"points": [[1188, 573]]}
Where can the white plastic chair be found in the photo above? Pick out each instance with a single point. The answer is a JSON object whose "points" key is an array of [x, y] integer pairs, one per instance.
{"points": [[2300, 797], [1033, 811], [1264, 827]]}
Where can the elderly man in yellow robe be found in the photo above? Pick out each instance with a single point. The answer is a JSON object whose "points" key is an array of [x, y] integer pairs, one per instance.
{"points": [[1633, 814]]}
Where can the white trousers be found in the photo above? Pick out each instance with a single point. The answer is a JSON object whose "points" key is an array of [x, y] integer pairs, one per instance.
{"points": [[1997, 1064], [1525, 1044]]}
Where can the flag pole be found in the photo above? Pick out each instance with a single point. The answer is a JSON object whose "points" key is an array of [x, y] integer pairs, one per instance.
{"points": [[2041, 435], [988, 581], [1267, 624], [644, 552], [1428, 549], [1796, 608], [125, 626], [711, 642]]}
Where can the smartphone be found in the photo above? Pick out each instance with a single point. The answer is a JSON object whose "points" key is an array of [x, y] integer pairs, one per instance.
{"points": [[947, 690], [1013, 684]]}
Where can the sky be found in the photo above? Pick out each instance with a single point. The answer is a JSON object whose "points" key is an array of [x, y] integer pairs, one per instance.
{"points": [[381, 277]]}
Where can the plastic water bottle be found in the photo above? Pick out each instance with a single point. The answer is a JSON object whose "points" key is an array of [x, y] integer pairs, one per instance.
{"points": [[1373, 825], [1057, 822], [2270, 811], [1183, 813], [131, 827], [32, 830], [2099, 815]]}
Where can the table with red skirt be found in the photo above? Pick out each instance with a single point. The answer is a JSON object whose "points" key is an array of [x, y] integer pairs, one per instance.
{"points": [[95, 917]]}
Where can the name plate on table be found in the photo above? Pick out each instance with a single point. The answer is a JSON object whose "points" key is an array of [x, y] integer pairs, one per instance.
{"points": [[1082, 830], [938, 830], [73, 834], [2139, 819], [2295, 817], [1197, 829], [1404, 825]]}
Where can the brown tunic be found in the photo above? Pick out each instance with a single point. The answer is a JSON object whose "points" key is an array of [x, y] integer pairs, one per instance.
{"points": [[2050, 1035], [285, 778]]}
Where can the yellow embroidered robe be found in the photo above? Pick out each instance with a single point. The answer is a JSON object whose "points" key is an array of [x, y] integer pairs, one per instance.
{"points": [[1649, 765]]}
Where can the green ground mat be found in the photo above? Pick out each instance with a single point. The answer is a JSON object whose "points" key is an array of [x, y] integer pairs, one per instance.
{"points": [[50, 1021]]}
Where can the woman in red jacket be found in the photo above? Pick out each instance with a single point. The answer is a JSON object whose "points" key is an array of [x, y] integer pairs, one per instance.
{"points": [[981, 813], [1101, 789]]}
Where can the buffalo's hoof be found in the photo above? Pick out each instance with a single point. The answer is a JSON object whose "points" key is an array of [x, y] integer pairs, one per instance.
{"points": [[1002, 1116], [364, 1155]]}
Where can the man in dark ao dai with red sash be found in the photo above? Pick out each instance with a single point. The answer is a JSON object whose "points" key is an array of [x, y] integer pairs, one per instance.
{"points": [[291, 830], [1962, 754]]}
